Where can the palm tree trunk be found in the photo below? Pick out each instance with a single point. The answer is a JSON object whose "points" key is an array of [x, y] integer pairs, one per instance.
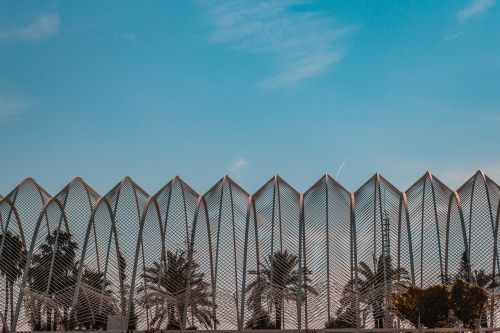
{"points": [[378, 315], [277, 308], [48, 324], [54, 322], [37, 325], [6, 298], [180, 309], [11, 287], [172, 321]]}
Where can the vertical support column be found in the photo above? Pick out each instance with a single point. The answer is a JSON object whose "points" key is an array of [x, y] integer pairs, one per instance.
{"points": [[245, 259], [437, 228], [327, 232], [300, 291], [354, 256], [26, 269], [136, 261], [410, 241], [384, 245], [190, 262]]}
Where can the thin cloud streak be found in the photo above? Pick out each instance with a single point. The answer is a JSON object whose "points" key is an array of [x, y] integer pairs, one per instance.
{"points": [[11, 108], [44, 26], [238, 166], [300, 44], [339, 170], [457, 176], [474, 9]]}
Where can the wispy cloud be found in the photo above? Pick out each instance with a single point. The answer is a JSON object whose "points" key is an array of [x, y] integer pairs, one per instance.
{"points": [[238, 166], [44, 26], [474, 9], [11, 108], [301, 44], [457, 176], [483, 116]]}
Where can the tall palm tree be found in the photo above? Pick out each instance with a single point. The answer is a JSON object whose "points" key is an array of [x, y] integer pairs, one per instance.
{"points": [[277, 280], [12, 262], [164, 289], [95, 302], [375, 287], [54, 267], [490, 282], [260, 318], [347, 313]]}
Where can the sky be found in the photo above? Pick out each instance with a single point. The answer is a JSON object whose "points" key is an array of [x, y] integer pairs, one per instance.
{"points": [[201, 89]]}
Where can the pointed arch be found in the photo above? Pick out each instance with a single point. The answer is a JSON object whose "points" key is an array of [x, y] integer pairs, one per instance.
{"points": [[428, 200], [27, 200], [48, 270], [226, 207], [479, 197], [328, 249], [164, 234], [378, 216], [279, 224], [109, 256]]}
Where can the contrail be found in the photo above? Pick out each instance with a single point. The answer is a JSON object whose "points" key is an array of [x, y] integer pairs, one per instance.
{"points": [[339, 169]]}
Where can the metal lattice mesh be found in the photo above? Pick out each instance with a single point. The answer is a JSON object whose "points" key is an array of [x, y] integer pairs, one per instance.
{"points": [[23, 205], [163, 256], [278, 220], [328, 254], [479, 197], [427, 205], [228, 260], [377, 223]]}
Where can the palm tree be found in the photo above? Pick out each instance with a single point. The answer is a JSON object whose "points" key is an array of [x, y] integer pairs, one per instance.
{"points": [[53, 272], [488, 281], [347, 313], [277, 280], [260, 318], [375, 286], [164, 289], [12, 262], [95, 302]]}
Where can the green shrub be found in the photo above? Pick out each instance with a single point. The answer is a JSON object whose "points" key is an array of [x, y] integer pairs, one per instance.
{"points": [[468, 302], [428, 307]]}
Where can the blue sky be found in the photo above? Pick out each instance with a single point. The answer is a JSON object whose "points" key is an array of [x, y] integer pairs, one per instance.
{"points": [[203, 88]]}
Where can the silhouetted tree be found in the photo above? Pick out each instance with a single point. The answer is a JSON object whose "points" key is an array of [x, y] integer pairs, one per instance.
{"points": [[428, 306], [54, 267], [375, 287], [468, 302], [165, 290], [12, 263], [278, 279]]}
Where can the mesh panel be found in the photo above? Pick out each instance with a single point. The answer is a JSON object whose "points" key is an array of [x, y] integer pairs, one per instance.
{"points": [[163, 256], [479, 196], [328, 253], [377, 211], [428, 207]]}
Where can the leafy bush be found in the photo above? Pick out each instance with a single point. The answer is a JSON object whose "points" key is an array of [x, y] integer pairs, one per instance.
{"points": [[438, 305], [428, 307], [468, 302]]}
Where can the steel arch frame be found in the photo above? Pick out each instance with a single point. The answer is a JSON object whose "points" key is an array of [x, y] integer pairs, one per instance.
{"points": [[228, 233]]}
